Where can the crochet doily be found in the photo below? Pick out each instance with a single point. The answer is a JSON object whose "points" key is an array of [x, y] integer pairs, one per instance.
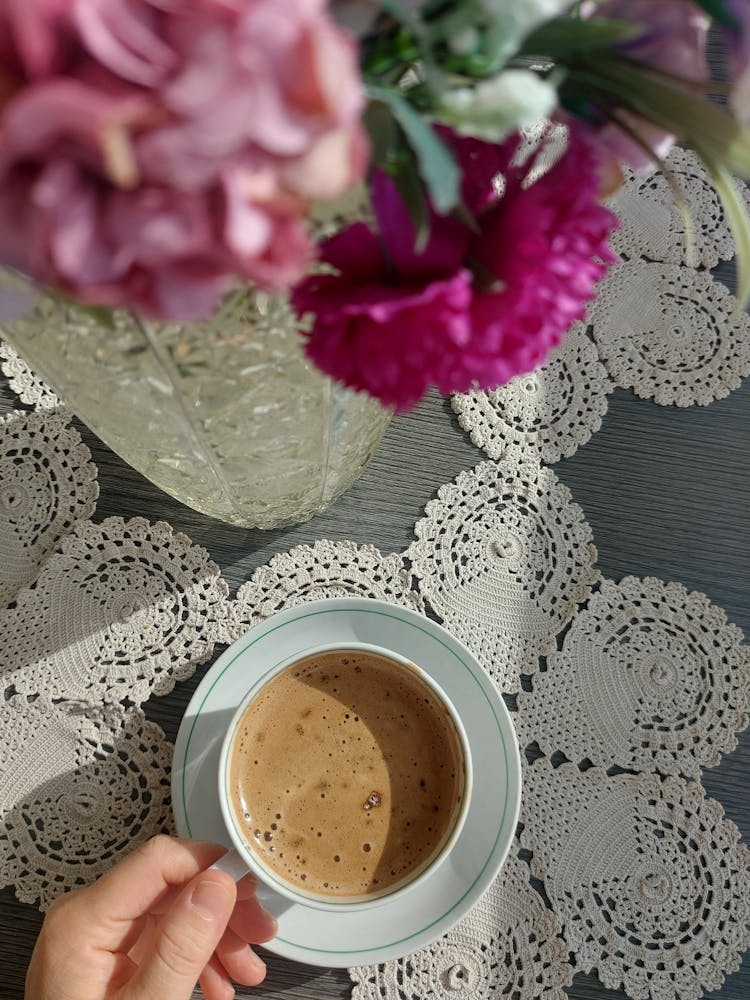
{"points": [[79, 789], [662, 327], [28, 387], [649, 880], [652, 226], [547, 414], [47, 484], [509, 946], [649, 677], [325, 569], [504, 557], [670, 333], [124, 610], [636, 876]]}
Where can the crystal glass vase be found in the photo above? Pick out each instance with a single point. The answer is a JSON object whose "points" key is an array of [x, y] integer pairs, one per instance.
{"points": [[227, 416]]}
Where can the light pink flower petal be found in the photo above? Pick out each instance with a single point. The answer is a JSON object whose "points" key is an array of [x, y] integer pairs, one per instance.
{"points": [[154, 227], [47, 113], [76, 247], [284, 261], [153, 151], [248, 227], [321, 77], [123, 36], [330, 166], [206, 73]]}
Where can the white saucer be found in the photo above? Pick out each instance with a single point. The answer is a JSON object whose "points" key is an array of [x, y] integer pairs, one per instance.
{"points": [[425, 912]]}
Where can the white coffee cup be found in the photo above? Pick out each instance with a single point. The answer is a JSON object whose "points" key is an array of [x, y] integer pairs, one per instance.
{"points": [[244, 858]]}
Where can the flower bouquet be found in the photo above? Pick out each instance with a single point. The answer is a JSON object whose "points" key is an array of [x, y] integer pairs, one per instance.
{"points": [[384, 166]]}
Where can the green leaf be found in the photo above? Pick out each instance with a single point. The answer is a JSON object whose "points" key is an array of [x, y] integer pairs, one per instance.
{"points": [[437, 166], [736, 212], [422, 36], [411, 190], [675, 110], [717, 10], [383, 133], [404, 15], [567, 36], [101, 315]]}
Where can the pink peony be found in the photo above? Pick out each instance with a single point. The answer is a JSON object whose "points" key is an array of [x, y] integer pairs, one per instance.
{"points": [[153, 152], [471, 308], [672, 38]]}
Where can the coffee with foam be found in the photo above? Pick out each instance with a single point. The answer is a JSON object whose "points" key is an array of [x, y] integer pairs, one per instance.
{"points": [[346, 774]]}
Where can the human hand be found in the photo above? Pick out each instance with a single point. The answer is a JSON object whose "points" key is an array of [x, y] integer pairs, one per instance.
{"points": [[150, 929]]}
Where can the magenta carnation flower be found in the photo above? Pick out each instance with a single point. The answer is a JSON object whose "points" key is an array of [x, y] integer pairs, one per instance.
{"points": [[472, 309], [153, 151], [545, 246], [389, 338]]}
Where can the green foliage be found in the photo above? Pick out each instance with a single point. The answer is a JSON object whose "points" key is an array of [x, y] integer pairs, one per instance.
{"points": [[568, 37], [717, 9], [437, 166]]}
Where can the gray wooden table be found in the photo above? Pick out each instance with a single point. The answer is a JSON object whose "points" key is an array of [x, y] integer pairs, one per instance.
{"points": [[666, 491]]}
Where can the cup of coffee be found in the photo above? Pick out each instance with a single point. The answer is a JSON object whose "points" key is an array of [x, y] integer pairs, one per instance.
{"points": [[344, 777]]}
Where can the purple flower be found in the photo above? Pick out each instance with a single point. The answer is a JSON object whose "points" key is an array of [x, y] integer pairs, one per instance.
{"points": [[672, 38], [739, 51]]}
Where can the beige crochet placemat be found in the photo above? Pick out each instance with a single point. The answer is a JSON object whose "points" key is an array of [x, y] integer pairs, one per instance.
{"points": [[636, 875]]}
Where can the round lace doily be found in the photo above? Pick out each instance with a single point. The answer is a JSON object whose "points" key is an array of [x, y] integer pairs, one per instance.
{"points": [[648, 883], [47, 484], [79, 789], [542, 146], [122, 612], [669, 333], [547, 414], [652, 226], [28, 387], [650, 677], [508, 946], [504, 557], [649, 880], [325, 569]]}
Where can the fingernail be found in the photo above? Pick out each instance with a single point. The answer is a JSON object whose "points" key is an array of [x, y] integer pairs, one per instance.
{"points": [[258, 963], [210, 900]]}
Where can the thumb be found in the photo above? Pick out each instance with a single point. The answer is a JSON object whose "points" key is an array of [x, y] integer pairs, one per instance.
{"points": [[186, 939]]}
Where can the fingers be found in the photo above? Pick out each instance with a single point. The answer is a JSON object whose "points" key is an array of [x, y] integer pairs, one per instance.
{"points": [[240, 961], [186, 939], [246, 887], [215, 983], [252, 923], [136, 885]]}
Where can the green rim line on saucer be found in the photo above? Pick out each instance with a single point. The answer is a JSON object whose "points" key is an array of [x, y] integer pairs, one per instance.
{"points": [[430, 635]]}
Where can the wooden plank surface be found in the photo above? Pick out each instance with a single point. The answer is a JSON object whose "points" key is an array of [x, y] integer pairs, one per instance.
{"points": [[666, 491]]}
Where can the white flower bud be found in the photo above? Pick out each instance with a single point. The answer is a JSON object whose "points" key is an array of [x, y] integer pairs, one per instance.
{"points": [[465, 42], [514, 99]]}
